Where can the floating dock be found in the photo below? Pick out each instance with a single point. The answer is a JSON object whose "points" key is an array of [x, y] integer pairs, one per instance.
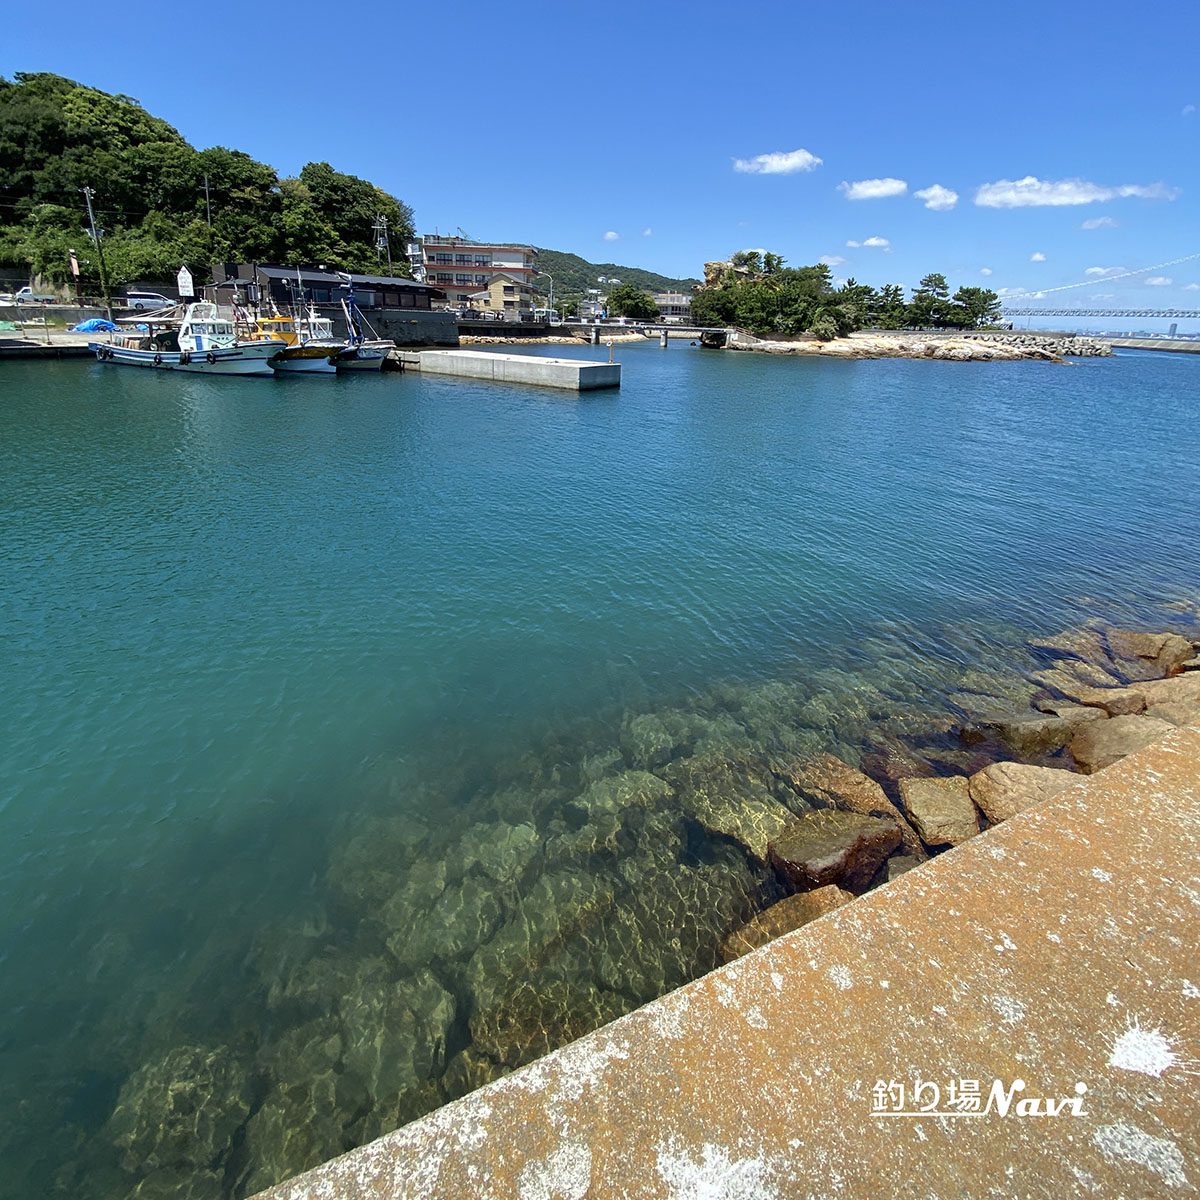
{"points": [[573, 374]]}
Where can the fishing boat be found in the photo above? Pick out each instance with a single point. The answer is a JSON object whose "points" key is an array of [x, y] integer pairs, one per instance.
{"points": [[203, 341], [360, 351], [309, 345]]}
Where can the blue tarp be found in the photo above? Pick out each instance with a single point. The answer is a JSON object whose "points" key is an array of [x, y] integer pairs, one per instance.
{"points": [[95, 325]]}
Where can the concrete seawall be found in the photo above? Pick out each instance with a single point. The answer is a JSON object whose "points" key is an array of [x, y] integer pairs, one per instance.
{"points": [[1050, 961]]}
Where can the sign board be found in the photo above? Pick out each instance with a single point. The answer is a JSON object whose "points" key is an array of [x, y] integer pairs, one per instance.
{"points": [[74, 264], [184, 282]]}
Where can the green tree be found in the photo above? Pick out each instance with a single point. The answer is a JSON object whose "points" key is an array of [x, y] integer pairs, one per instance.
{"points": [[625, 300], [976, 306], [930, 302]]}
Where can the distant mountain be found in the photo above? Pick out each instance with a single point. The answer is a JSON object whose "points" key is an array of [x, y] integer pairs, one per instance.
{"points": [[574, 275]]}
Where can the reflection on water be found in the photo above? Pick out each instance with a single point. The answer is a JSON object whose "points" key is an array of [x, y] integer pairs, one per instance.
{"points": [[368, 741]]}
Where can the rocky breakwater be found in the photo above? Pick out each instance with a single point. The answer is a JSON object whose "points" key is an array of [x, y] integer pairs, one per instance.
{"points": [[967, 347], [1100, 695]]}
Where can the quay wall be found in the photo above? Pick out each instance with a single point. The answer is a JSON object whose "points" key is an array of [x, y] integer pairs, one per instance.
{"points": [[1052, 956], [573, 374]]}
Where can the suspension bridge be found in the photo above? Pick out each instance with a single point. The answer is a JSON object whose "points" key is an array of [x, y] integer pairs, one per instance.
{"points": [[1171, 314]]}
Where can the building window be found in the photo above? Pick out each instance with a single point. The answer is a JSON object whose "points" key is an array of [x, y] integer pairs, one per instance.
{"points": [[444, 259], [483, 260], [407, 300], [509, 291]]}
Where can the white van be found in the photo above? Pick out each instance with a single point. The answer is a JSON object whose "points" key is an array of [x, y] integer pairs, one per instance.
{"points": [[547, 314]]}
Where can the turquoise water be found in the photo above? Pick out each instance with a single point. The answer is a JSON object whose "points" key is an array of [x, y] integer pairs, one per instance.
{"points": [[348, 723]]}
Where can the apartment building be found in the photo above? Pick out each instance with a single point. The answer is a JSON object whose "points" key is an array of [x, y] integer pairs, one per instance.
{"points": [[460, 267]]}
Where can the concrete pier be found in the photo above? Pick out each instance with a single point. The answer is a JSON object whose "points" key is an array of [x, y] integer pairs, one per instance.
{"points": [[577, 375], [1045, 970]]}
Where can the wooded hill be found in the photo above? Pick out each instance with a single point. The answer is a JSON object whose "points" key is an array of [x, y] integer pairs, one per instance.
{"points": [[574, 275], [58, 136]]}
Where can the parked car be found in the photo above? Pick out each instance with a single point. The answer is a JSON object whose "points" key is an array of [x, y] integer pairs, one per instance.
{"points": [[27, 295], [142, 300]]}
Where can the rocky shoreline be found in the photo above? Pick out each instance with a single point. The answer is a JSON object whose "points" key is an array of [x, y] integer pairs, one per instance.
{"points": [[467, 927], [1106, 694], [967, 347]]}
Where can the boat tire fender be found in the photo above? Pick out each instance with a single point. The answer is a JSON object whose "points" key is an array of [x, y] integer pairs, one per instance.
{"points": [[158, 360], [184, 358], [210, 358]]}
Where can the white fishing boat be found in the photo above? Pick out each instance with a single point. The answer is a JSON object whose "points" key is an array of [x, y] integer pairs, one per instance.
{"points": [[203, 341]]}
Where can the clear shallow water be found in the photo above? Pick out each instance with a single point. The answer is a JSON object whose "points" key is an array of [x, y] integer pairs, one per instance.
{"points": [[276, 651]]}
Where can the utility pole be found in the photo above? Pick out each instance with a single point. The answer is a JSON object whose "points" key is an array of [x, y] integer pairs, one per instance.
{"points": [[207, 201], [382, 242], [88, 193]]}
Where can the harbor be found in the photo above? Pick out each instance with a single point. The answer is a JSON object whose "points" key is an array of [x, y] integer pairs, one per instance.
{"points": [[662, 670]]}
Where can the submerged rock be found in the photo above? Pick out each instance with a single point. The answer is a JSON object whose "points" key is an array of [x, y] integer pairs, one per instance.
{"points": [[536, 1017], [782, 917], [1074, 714], [1074, 643], [828, 846], [176, 1118], [1102, 743], [394, 1033], [731, 799], [1005, 789], [467, 1070], [462, 919], [1030, 735], [941, 809], [828, 782]]}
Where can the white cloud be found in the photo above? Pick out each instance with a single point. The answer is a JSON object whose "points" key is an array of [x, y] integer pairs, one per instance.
{"points": [[832, 260], [940, 199], [1191, 287], [1037, 256], [611, 235], [985, 270], [780, 162], [1159, 281], [1032, 192], [872, 189], [874, 243], [1099, 223], [1102, 271], [647, 232], [1188, 110], [1103, 296]]}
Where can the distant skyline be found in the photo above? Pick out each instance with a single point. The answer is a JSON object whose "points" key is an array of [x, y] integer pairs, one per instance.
{"points": [[1035, 150]]}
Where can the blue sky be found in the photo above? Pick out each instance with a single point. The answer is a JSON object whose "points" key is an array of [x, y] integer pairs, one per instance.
{"points": [[618, 134]]}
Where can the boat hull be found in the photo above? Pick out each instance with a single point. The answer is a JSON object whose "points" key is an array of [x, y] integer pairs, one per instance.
{"points": [[251, 359], [368, 356], [305, 360]]}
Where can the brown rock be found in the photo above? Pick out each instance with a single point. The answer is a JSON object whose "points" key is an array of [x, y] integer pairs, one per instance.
{"points": [[1168, 651], [1192, 664], [829, 782], [828, 846], [1005, 789], [899, 863], [1169, 691], [1117, 702], [1177, 712], [941, 809], [1099, 744], [1031, 734], [790, 913], [1074, 714], [1073, 643], [1175, 652], [1129, 643]]}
